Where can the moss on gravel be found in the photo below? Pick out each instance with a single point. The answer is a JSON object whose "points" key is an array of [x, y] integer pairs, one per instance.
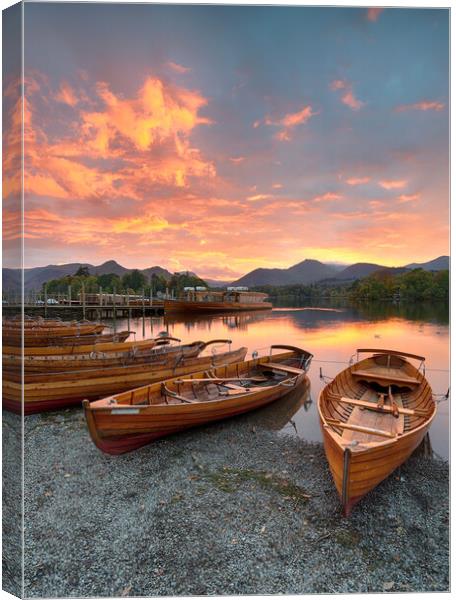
{"points": [[229, 480]]}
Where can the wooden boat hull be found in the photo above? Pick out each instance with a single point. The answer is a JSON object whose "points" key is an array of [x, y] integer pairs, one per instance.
{"points": [[366, 470], [183, 306], [116, 429], [33, 365], [106, 345], [366, 456], [61, 390], [162, 423], [159, 353], [43, 336]]}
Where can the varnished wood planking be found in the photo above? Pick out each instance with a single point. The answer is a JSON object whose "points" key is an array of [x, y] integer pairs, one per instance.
{"points": [[67, 391], [117, 432], [372, 458]]}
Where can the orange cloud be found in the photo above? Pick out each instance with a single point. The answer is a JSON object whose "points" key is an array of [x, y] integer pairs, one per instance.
{"points": [[424, 105], [373, 13], [348, 97], [66, 95], [357, 180], [147, 135], [288, 122], [393, 184], [258, 197]]}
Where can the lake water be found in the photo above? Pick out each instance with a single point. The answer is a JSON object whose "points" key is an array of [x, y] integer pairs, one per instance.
{"points": [[332, 333]]}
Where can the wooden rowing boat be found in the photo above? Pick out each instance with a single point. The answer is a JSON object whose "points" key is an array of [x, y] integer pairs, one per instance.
{"points": [[100, 343], [154, 353], [70, 341], [126, 421], [373, 415], [34, 323], [47, 335], [59, 390]]}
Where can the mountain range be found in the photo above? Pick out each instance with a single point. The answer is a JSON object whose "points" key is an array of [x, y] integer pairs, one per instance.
{"points": [[312, 271], [306, 272]]}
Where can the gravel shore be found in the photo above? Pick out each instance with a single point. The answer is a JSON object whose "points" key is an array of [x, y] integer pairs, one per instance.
{"points": [[231, 508]]}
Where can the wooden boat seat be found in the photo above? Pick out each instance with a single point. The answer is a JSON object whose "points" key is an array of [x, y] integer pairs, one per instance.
{"points": [[387, 408], [284, 368], [233, 386], [386, 375]]}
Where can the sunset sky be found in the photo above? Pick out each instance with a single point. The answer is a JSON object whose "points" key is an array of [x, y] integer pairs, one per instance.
{"points": [[221, 139]]}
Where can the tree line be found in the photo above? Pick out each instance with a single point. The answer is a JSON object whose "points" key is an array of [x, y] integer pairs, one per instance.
{"points": [[133, 282], [415, 285]]}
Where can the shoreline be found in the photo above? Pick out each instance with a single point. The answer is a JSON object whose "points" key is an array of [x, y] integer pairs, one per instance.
{"points": [[229, 508]]}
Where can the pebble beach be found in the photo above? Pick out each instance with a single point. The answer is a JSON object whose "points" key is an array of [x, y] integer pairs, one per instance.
{"points": [[231, 508]]}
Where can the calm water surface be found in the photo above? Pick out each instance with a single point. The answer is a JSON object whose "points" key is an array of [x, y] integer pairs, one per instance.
{"points": [[332, 333]]}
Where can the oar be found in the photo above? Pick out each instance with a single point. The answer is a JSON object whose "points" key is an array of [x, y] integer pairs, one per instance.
{"points": [[220, 379]]}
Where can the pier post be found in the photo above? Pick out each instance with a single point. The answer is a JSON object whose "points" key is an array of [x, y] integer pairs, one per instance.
{"points": [[144, 312], [83, 302], [114, 308], [45, 300], [69, 295]]}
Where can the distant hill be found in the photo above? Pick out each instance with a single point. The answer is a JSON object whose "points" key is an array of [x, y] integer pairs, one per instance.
{"points": [[360, 270], [438, 264], [36, 276], [307, 271]]}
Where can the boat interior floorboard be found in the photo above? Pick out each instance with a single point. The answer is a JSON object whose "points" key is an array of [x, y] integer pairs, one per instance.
{"points": [[373, 419]]}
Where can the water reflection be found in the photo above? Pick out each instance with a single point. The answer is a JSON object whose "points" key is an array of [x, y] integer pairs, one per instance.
{"points": [[332, 332], [278, 415]]}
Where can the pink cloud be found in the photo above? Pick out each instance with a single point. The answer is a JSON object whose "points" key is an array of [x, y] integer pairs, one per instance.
{"points": [[338, 84], [408, 197], [328, 196], [348, 97], [357, 180], [424, 105], [293, 119], [177, 67], [393, 184], [373, 13], [237, 159], [350, 100]]}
